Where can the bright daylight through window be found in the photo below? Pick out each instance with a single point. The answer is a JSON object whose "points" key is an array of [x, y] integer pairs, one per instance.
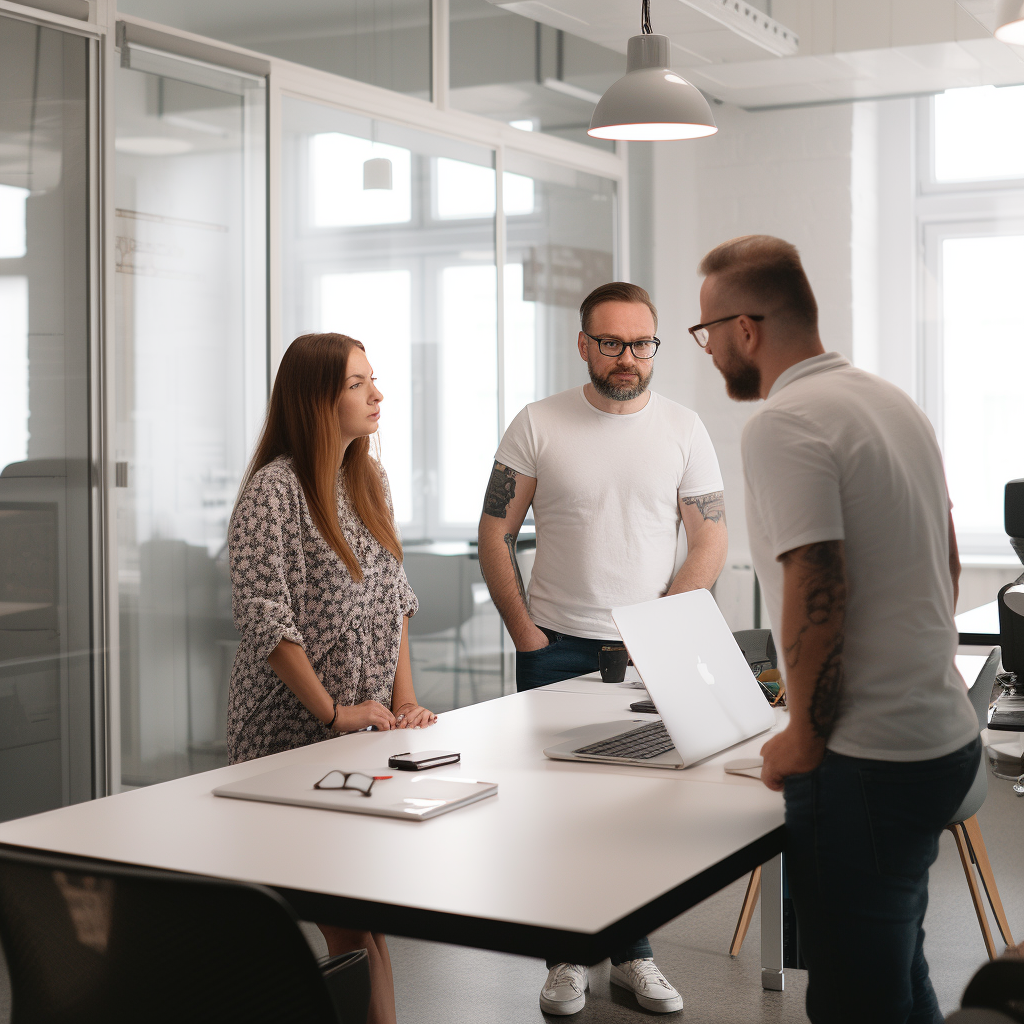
{"points": [[983, 366], [977, 134], [975, 241]]}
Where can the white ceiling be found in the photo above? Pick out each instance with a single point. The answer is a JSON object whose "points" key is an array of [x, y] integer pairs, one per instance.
{"points": [[848, 49], [700, 30]]}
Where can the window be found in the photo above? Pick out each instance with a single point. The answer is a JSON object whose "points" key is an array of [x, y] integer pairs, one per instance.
{"points": [[982, 367], [375, 306], [410, 271], [977, 134], [971, 212], [339, 193]]}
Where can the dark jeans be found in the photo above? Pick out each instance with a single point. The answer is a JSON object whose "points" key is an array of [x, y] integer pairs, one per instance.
{"points": [[567, 656], [860, 838], [564, 657]]}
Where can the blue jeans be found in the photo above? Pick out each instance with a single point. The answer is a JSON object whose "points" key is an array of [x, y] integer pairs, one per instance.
{"points": [[860, 838], [564, 657]]}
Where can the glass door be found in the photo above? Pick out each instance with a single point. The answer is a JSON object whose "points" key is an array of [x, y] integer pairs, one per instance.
{"points": [[191, 361], [49, 695]]}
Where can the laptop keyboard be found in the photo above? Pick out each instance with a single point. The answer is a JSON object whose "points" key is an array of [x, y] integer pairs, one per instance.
{"points": [[640, 744]]}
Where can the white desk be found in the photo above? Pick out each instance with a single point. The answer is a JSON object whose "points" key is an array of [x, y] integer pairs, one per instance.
{"points": [[643, 845]]}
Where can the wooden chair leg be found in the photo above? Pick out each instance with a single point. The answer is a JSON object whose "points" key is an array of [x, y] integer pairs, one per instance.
{"points": [[988, 880], [963, 848], [746, 912]]}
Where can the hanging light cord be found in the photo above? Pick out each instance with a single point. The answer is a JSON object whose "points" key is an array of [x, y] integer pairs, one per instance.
{"points": [[645, 18]]}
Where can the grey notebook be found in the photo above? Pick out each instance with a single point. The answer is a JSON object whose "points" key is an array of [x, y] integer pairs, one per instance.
{"points": [[414, 796]]}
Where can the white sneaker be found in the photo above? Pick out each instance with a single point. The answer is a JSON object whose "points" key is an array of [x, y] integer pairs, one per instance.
{"points": [[564, 992], [648, 984]]}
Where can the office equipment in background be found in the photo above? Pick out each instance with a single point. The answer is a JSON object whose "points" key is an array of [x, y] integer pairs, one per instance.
{"points": [[1011, 597], [413, 797], [697, 676], [1008, 713], [103, 941], [758, 647]]}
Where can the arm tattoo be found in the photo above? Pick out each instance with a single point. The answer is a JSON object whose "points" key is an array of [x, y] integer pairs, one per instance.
{"points": [[711, 506], [822, 580], [510, 543], [501, 489]]}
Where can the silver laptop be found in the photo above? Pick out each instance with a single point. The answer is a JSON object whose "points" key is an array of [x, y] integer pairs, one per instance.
{"points": [[697, 677]]}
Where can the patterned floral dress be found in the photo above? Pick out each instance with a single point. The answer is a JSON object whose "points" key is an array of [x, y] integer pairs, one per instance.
{"points": [[287, 582]]}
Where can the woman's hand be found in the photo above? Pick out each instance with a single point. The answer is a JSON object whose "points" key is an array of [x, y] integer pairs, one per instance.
{"points": [[359, 716], [412, 716]]}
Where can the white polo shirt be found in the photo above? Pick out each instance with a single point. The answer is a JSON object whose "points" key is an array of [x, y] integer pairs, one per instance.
{"points": [[607, 503], [839, 454]]}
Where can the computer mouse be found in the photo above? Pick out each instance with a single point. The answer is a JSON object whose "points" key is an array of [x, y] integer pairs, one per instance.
{"points": [[750, 766]]}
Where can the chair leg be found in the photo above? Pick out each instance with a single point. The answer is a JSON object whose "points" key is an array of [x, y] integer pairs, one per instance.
{"points": [[963, 848], [746, 912], [988, 879]]}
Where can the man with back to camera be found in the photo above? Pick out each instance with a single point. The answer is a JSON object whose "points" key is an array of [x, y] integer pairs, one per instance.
{"points": [[611, 469], [852, 538]]}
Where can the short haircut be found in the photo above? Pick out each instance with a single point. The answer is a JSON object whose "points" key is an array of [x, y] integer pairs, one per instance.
{"points": [[769, 271], [616, 291]]}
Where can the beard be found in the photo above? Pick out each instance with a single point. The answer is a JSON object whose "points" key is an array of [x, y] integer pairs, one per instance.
{"points": [[742, 379], [620, 391]]}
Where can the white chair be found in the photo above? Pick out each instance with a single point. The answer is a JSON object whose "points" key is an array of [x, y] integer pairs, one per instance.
{"points": [[963, 826]]}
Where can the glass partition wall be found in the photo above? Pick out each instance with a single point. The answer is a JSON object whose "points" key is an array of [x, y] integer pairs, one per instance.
{"points": [[50, 695], [191, 375], [138, 334]]}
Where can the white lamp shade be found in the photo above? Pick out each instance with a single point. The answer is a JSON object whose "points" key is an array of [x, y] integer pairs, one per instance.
{"points": [[1010, 22], [650, 101], [377, 173]]}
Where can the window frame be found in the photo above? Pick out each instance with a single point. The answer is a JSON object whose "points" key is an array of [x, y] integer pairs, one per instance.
{"points": [[945, 210]]}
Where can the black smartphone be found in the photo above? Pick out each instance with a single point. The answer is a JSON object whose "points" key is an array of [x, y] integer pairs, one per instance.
{"points": [[417, 761], [645, 707]]}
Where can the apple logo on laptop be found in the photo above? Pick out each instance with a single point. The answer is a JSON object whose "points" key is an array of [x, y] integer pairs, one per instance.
{"points": [[705, 672]]}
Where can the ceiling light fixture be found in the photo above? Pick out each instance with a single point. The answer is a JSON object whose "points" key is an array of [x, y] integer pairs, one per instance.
{"points": [[651, 102], [1010, 22]]}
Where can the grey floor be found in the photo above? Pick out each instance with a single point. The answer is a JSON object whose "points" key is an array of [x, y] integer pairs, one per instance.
{"points": [[440, 984]]}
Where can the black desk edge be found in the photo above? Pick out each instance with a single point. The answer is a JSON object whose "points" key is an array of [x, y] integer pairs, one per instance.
{"points": [[531, 940], [979, 639]]}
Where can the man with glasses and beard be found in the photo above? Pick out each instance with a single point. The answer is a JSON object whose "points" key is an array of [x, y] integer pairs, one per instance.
{"points": [[627, 500], [852, 539]]}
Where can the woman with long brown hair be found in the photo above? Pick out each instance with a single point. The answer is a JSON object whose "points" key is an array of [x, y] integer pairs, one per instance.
{"points": [[318, 590]]}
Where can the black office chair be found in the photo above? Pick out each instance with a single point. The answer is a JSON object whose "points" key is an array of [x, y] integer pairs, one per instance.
{"points": [[89, 942]]}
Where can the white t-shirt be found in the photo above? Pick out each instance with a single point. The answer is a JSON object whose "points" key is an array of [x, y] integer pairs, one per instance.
{"points": [[607, 503], [839, 454]]}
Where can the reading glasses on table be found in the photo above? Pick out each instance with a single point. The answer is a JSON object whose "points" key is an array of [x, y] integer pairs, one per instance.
{"points": [[361, 782]]}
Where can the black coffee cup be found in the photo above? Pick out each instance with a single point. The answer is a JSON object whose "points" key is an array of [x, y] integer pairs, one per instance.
{"points": [[612, 660]]}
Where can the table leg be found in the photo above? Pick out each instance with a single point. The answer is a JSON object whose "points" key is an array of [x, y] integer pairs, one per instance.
{"points": [[772, 976]]}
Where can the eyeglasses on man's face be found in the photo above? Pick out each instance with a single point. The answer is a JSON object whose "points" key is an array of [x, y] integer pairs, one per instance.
{"points": [[642, 349], [700, 332], [346, 780]]}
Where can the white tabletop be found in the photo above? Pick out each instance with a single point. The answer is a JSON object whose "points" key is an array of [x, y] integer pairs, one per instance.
{"points": [[643, 844]]}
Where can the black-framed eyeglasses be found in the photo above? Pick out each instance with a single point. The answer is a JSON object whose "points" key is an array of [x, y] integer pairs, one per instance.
{"points": [[700, 331], [643, 349], [361, 783]]}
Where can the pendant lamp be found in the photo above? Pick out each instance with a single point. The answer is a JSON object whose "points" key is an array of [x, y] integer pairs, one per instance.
{"points": [[651, 102], [1010, 22]]}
